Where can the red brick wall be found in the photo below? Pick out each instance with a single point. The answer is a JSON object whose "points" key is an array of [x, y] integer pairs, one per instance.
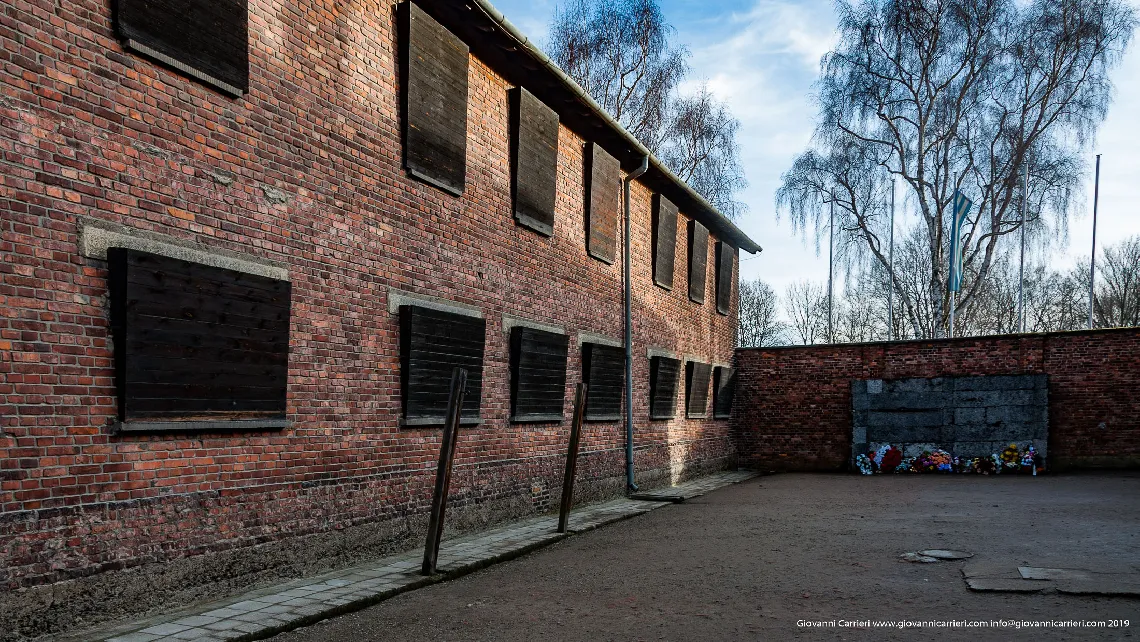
{"points": [[793, 405], [89, 130]]}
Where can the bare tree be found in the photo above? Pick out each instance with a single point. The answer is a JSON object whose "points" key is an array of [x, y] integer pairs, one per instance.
{"points": [[805, 304], [1117, 302], [1064, 304], [860, 315], [760, 323], [619, 52], [1054, 300], [700, 147], [1058, 300], [951, 95]]}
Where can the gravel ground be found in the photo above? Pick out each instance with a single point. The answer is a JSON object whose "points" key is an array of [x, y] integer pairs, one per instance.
{"points": [[749, 561]]}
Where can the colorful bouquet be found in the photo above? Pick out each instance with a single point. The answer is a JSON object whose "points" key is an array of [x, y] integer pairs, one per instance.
{"points": [[1010, 458], [889, 459], [934, 461], [1029, 460]]}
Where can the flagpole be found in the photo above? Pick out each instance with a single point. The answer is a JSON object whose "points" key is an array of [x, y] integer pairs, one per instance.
{"points": [[830, 274], [1021, 276], [891, 271], [960, 208], [953, 295], [1092, 268], [955, 235]]}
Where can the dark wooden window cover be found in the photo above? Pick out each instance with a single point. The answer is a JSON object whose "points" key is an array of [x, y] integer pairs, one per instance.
{"points": [[724, 255], [603, 187], [538, 374], [724, 384], [205, 39], [432, 344], [698, 260], [196, 343], [603, 370], [534, 161], [664, 240], [697, 389], [433, 96], [663, 375]]}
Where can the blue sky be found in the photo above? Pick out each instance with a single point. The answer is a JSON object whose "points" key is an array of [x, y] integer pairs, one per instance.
{"points": [[762, 56]]}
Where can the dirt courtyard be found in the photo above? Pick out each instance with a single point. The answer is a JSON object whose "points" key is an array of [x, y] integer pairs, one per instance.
{"points": [[750, 561]]}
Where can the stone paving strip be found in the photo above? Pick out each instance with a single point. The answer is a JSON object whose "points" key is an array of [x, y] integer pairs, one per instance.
{"points": [[996, 577], [265, 612]]}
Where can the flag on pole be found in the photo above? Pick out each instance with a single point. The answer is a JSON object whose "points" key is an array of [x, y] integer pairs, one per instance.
{"points": [[962, 207]]}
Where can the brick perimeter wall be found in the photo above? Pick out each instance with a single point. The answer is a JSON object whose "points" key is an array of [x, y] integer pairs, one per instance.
{"points": [[88, 130], [793, 405]]}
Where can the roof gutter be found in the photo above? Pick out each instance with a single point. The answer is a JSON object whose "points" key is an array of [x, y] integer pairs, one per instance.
{"points": [[740, 238]]}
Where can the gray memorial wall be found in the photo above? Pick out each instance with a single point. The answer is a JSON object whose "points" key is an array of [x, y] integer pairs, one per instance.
{"points": [[965, 416]]}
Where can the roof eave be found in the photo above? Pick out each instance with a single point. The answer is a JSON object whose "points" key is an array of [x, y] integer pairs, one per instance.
{"points": [[498, 43]]}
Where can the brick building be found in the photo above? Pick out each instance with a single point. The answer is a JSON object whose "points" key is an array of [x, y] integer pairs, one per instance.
{"points": [[243, 245]]}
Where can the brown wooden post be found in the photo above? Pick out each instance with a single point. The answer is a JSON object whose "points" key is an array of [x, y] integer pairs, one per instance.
{"points": [[572, 458], [443, 471]]}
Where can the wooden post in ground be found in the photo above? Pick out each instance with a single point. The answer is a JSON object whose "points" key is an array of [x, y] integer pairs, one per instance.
{"points": [[443, 471], [572, 458]]}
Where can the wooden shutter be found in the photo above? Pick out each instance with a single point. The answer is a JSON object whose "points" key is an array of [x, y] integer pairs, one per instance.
{"points": [[603, 187], [604, 373], [724, 256], [432, 343], [205, 39], [724, 384], [433, 65], [538, 374], [663, 375], [195, 342], [698, 260], [534, 161], [697, 389], [664, 240]]}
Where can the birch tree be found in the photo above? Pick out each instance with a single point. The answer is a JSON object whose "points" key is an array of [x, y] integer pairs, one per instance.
{"points": [[948, 95]]}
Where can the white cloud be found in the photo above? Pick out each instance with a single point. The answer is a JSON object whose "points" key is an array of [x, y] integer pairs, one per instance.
{"points": [[762, 62], [762, 57], [1118, 215]]}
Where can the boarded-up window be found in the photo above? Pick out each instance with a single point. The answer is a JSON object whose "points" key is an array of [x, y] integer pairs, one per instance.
{"points": [[724, 384], [433, 65], [697, 389], [603, 370], [534, 161], [724, 256], [196, 343], [205, 39], [603, 188], [432, 344], [664, 240], [538, 374], [698, 260], [663, 375]]}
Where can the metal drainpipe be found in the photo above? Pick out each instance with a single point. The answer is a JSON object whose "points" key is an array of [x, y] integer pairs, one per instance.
{"points": [[631, 486]]}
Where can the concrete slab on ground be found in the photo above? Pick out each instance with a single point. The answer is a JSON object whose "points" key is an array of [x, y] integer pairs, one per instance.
{"points": [[1035, 573], [1000, 585]]}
